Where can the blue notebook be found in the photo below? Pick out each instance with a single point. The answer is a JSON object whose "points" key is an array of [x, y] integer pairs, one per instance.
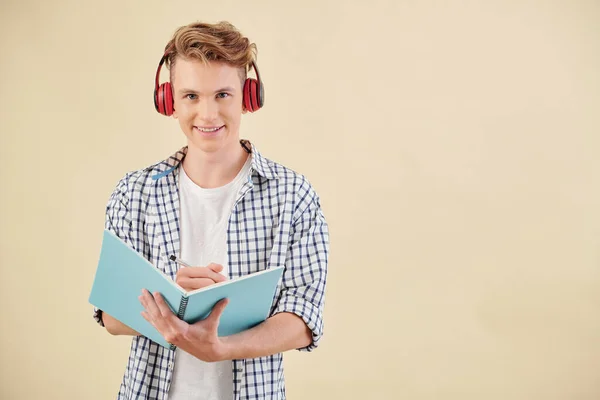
{"points": [[122, 273]]}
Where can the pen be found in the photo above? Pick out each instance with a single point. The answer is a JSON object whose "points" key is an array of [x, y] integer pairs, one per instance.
{"points": [[178, 261]]}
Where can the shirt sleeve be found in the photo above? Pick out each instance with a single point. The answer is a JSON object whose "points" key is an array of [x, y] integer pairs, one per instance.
{"points": [[305, 275], [118, 221]]}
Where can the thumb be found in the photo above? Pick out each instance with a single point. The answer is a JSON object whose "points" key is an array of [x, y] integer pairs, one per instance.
{"points": [[217, 311], [215, 267]]}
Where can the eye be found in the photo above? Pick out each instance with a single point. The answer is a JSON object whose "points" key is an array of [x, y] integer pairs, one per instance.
{"points": [[222, 95], [191, 96]]}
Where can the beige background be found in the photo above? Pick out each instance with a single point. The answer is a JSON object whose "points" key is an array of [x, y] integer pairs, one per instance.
{"points": [[454, 144]]}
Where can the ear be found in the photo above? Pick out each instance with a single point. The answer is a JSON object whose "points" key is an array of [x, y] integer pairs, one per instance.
{"points": [[174, 115]]}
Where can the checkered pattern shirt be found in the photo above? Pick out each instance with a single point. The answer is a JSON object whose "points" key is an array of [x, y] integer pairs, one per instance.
{"points": [[277, 220]]}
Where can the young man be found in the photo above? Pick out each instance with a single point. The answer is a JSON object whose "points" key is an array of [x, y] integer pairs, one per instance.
{"points": [[228, 211]]}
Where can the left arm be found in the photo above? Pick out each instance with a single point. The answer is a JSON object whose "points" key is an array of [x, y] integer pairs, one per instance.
{"points": [[279, 333], [297, 322]]}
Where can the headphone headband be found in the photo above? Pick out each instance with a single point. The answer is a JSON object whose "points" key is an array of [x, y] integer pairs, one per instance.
{"points": [[162, 60]]}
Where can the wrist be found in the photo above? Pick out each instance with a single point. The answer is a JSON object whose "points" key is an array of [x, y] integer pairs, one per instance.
{"points": [[227, 350]]}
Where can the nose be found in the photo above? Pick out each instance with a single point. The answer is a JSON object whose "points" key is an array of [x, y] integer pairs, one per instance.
{"points": [[208, 110]]}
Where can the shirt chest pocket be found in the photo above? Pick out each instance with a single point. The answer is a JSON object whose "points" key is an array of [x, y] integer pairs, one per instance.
{"points": [[157, 246], [250, 246]]}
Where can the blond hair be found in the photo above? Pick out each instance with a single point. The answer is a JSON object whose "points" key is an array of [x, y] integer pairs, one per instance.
{"points": [[221, 42]]}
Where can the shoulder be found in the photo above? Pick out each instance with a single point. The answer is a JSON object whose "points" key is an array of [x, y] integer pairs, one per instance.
{"points": [[294, 185], [133, 183], [293, 179], [138, 184]]}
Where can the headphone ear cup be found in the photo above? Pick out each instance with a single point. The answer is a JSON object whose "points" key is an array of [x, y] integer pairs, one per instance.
{"points": [[253, 95], [246, 99], [163, 99], [261, 95]]}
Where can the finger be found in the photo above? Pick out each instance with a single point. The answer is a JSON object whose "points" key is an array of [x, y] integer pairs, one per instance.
{"points": [[217, 311], [143, 298], [149, 304], [215, 267], [203, 272], [162, 305], [218, 268], [179, 274], [147, 317], [194, 283]]}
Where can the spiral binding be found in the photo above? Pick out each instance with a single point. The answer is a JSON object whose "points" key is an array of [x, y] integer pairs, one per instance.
{"points": [[182, 306]]}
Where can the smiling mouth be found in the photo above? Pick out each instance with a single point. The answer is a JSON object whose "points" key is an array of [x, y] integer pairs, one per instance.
{"points": [[209, 129]]}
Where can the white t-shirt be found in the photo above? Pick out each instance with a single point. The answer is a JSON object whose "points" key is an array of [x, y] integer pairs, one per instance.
{"points": [[204, 215]]}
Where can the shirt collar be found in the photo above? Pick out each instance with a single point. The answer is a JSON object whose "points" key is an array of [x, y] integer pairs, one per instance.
{"points": [[260, 164]]}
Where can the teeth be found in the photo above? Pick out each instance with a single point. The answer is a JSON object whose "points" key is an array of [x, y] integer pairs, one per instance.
{"points": [[208, 130]]}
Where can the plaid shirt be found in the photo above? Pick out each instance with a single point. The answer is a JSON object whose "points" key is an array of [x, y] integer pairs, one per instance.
{"points": [[276, 220]]}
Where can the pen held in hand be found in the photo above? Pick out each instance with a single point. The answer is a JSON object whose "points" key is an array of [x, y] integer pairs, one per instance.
{"points": [[178, 261]]}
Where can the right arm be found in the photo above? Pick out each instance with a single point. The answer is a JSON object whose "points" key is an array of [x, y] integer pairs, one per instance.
{"points": [[118, 221], [116, 327]]}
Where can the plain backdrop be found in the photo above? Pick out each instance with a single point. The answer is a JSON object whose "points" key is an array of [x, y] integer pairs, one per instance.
{"points": [[454, 144]]}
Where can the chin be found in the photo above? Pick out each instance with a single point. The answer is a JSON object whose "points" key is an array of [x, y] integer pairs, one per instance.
{"points": [[207, 145]]}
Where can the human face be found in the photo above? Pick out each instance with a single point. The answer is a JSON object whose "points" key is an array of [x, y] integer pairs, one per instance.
{"points": [[208, 104]]}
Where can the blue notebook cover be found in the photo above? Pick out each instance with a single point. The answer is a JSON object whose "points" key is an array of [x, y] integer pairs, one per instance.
{"points": [[122, 273]]}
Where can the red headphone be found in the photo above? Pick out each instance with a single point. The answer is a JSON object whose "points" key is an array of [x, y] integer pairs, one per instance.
{"points": [[253, 92]]}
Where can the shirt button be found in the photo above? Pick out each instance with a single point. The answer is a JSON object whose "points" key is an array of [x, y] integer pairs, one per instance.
{"points": [[170, 365]]}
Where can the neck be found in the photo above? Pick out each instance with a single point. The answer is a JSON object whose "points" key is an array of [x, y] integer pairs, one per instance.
{"points": [[212, 170]]}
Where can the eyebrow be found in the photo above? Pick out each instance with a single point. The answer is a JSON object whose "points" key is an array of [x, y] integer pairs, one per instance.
{"points": [[224, 89]]}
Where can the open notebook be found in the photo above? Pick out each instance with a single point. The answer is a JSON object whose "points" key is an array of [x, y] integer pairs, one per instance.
{"points": [[122, 273]]}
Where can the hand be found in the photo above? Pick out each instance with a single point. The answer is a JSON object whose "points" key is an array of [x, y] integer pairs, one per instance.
{"points": [[200, 339], [198, 277]]}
